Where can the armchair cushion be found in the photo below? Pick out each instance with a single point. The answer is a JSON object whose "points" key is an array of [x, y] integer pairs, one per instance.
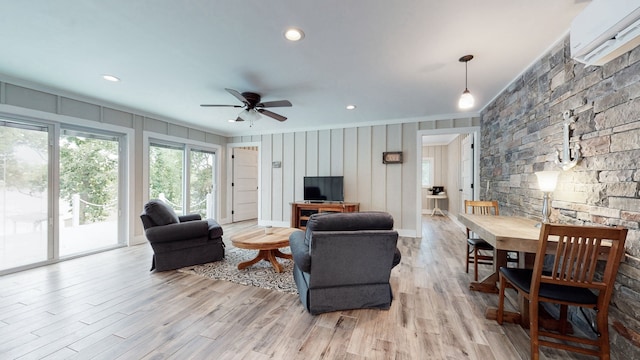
{"points": [[300, 251], [215, 230], [177, 232], [372, 220], [189, 217], [160, 213]]}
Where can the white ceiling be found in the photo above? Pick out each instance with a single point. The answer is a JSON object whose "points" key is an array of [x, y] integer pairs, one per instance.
{"points": [[396, 60]]}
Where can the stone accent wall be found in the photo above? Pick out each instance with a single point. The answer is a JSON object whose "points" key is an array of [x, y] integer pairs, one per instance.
{"points": [[520, 132]]}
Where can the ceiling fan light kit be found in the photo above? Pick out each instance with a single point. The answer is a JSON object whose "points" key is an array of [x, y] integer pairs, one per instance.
{"points": [[466, 99], [253, 107], [249, 115]]}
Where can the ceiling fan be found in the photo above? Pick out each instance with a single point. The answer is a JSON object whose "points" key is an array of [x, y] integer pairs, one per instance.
{"points": [[252, 106]]}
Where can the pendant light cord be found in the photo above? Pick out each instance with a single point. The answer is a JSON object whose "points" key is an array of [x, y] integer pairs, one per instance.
{"points": [[466, 75]]}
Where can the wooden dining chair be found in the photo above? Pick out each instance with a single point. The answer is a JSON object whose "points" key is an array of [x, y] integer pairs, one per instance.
{"points": [[474, 244], [571, 280]]}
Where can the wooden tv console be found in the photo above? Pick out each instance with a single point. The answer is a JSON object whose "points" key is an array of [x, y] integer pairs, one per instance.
{"points": [[301, 211]]}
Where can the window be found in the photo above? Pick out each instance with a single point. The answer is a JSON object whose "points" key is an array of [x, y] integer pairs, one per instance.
{"points": [[427, 172], [166, 175], [202, 183], [183, 177]]}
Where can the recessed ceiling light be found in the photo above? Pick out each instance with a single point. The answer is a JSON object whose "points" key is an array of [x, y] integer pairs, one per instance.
{"points": [[110, 78], [351, 107], [293, 34]]}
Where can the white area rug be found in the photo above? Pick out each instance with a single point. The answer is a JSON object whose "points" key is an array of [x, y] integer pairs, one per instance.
{"points": [[261, 274]]}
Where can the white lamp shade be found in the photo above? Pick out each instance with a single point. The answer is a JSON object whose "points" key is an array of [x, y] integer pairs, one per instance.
{"points": [[466, 100], [547, 180], [249, 115]]}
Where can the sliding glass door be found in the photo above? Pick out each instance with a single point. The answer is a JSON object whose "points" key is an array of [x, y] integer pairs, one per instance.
{"points": [[24, 194], [89, 191], [60, 196]]}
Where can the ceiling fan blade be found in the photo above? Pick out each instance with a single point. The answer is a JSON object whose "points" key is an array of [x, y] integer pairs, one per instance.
{"points": [[211, 105], [272, 114], [278, 103], [238, 96]]}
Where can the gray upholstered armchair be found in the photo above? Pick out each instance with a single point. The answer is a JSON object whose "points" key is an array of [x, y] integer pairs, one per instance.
{"points": [[180, 241], [343, 261]]}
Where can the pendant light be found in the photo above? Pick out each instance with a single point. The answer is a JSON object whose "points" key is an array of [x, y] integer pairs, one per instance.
{"points": [[466, 99]]}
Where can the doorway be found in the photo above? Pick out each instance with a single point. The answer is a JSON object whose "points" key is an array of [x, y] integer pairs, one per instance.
{"points": [[455, 184], [244, 184]]}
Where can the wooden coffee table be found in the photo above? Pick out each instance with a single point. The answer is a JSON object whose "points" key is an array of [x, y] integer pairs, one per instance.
{"points": [[267, 244]]}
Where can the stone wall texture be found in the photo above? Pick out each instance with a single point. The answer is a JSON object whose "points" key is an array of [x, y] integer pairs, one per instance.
{"points": [[520, 132]]}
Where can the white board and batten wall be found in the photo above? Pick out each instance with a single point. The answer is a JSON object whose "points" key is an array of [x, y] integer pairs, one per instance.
{"points": [[356, 154]]}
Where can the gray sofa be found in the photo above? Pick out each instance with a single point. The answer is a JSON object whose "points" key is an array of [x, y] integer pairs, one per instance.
{"points": [[343, 261], [180, 241]]}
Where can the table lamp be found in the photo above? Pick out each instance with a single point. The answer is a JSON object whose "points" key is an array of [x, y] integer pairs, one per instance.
{"points": [[547, 181]]}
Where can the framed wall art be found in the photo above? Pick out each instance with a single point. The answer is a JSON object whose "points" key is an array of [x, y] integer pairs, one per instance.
{"points": [[392, 157]]}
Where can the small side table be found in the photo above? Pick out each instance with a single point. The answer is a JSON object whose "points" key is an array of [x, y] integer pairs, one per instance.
{"points": [[436, 198]]}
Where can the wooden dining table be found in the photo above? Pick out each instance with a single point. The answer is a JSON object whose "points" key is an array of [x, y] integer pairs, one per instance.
{"points": [[505, 234]]}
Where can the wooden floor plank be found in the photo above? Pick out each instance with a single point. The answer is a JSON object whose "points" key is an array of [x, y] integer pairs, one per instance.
{"points": [[110, 306]]}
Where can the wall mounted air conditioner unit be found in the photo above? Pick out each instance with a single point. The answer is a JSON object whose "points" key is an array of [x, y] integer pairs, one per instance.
{"points": [[604, 30]]}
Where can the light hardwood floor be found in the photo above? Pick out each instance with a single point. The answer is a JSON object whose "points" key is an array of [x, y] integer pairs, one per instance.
{"points": [[109, 306]]}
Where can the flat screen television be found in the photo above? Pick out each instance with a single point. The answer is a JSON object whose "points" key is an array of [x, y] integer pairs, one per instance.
{"points": [[324, 188]]}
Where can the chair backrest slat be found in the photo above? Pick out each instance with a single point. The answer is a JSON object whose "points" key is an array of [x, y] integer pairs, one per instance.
{"points": [[576, 255], [576, 258], [480, 207]]}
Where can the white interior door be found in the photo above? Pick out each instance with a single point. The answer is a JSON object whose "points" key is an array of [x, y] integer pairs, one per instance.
{"points": [[467, 170], [245, 185]]}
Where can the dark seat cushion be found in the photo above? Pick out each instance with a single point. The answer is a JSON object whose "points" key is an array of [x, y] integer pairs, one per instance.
{"points": [[521, 278], [160, 213], [480, 244]]}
